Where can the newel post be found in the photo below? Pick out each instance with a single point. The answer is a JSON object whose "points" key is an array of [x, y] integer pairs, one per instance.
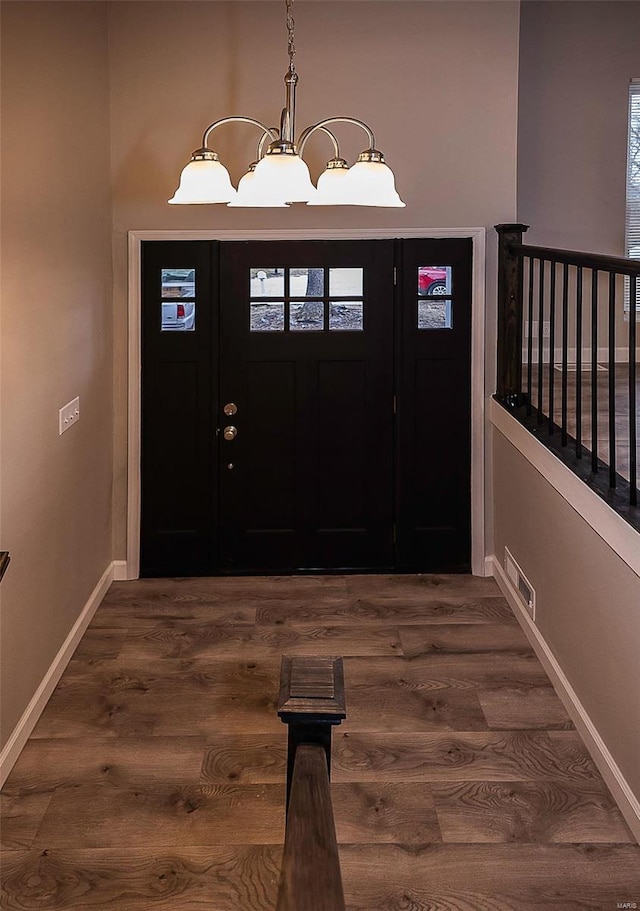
{"points": [[509, 355], [311, 702]]}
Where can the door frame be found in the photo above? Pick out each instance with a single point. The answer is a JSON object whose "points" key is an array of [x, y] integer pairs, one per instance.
{"points": [[131, 570]]}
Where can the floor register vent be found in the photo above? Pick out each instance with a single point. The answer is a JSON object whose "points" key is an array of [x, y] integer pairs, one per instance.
{"points": [[520, 582]]}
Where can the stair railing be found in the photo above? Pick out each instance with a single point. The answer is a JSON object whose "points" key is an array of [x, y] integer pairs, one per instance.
{"points": [[311, 703], [564, 314]]}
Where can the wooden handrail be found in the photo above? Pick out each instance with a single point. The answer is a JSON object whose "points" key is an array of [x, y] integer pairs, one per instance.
{"points": [[4, 562], [310, 879], [599, 261], [311, 703]]}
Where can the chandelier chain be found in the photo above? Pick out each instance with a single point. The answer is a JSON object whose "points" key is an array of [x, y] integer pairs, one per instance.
{"points": [[291, 37]]}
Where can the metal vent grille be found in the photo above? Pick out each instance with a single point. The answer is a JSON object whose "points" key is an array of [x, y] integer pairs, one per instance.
{"points": [[521, 584]]}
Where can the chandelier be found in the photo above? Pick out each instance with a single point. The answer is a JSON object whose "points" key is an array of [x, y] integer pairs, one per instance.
{"points": [[279, 175]]}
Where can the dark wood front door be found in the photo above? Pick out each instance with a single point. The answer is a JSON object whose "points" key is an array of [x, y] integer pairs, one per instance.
{"points": [[306, 336], [305, 406]]}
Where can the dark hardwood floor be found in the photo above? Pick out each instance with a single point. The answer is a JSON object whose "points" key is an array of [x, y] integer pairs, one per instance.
{"points": [[155, 776]]}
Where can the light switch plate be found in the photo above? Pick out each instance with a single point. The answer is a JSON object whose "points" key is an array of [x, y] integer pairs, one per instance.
{"points": [[69, 415]]}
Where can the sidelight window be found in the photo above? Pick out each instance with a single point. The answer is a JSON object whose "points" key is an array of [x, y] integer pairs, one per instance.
{"points": [[178, 292], [435, 314], [435, 306]]}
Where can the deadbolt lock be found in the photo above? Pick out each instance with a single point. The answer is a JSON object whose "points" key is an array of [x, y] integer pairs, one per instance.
{"points": [[230, 433], [230, 409]]}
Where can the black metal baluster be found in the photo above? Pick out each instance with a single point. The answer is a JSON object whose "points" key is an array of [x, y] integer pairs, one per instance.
{"points": [[579, 362], [540, 340], [594, 370], [552, 340], [612, 379], [565, 348], [532, 263], [633, 416]]}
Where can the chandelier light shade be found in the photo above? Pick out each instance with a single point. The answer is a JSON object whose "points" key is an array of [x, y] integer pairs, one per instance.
{"points": [[371, 183], [203, 180], [283, 178], [280, 175], [331, 184], [245, 195]]}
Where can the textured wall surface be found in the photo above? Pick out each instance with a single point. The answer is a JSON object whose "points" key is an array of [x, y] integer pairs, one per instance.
{"points": [[56, 331], [587, 599], [576, 60]]}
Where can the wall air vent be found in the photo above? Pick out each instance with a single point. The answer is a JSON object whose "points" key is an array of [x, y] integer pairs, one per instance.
{"points": [[521, 584]]}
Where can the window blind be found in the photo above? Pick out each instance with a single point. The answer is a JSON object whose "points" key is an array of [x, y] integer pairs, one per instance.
{"points": [[632, 219]]}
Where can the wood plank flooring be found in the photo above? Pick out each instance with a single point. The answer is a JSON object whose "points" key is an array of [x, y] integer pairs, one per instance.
{"points": [[155, 776]]}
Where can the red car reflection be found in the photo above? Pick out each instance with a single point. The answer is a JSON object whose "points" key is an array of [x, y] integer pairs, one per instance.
{"points": [[432, 280]]}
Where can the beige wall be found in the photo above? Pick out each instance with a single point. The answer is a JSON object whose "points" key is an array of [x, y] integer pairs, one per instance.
{"points": [[437, 81], [587, 600], [576, 60], [56, 331]]}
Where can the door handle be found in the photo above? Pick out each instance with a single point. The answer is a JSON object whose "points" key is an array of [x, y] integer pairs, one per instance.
{"points": [[230, 433]]}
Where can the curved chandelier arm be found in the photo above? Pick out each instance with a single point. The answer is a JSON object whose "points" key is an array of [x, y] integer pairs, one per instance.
{"points": [[304, 136], [269, 131], [327, 132], [336, 147]]}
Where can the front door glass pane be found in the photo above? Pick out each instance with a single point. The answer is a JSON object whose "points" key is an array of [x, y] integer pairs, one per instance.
{"points": [[345, 282], [345, 316], [306, 282], [267, 317], [307, 316], [266, 282]]}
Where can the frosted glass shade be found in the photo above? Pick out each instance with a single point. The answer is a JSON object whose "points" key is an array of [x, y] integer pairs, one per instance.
{"points": [[371, 183], [332, 188], [245, 197], [203, 181], [281, 179]]}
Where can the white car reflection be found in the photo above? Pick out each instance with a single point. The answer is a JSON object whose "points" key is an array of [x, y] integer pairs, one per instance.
{"points": [[178, 315]]}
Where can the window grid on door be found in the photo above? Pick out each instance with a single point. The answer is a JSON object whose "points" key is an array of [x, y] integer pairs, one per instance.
{"points": [[306, 299]]}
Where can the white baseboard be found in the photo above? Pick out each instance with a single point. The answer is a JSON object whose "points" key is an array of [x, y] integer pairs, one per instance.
{"points": [[120, 571], [623, 795], [25, 726]]}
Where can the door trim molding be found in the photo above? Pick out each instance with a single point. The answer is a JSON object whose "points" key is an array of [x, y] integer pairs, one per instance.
{"points": [[478, 238]]}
